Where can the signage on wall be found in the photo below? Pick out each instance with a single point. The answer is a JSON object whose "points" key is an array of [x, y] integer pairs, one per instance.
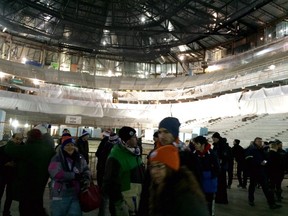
{"points": [[73, 120]]}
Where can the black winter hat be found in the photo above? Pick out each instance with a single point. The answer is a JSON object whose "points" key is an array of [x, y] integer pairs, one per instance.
{"points": [[171, 124], [237, 141], [278, 142], [126, 133], [216, 135], [155, 134]]}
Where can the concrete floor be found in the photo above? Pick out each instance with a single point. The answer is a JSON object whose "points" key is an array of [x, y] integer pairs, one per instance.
{"points": [[238, 204]]}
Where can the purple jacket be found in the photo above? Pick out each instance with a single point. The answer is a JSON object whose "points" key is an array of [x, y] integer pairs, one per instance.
{"points": [[62, 171]]}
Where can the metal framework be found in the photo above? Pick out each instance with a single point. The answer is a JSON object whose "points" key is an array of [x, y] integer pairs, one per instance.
{"points": [[139, 30]]}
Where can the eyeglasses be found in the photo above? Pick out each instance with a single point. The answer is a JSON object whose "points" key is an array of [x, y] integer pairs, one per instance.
{"points": [[157, 166]]}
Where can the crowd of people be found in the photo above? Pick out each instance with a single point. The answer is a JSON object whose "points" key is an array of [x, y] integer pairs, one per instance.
{"points": [[178, 179]]}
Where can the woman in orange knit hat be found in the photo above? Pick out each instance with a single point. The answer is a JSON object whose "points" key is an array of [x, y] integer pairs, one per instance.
{"points": [[174, 190]]}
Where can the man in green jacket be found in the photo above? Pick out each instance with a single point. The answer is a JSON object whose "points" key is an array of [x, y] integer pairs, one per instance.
{"points": [[124, 173]]}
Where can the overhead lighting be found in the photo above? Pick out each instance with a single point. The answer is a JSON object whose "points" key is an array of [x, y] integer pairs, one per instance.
{"points": [[181, 57], [262, 52], [36, 81], [272, 67], [109, 73], [4, 29], [2, 75], [104, 43], [46, 18], [24, 60], [212, 68], [143, 19], [182, 48], [15, 123]]}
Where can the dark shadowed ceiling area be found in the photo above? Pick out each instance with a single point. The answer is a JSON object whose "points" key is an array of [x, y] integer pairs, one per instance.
{"points": [[139, 30]]}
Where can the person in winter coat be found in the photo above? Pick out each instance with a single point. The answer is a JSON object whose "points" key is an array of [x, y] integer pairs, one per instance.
{"points": [[32, 175], [257, 163], [221, 148], [102, 155], [210, 169], [238, 153], [7, 173], [275, 169], [83, 145], [284, 164], [70, 174], [46, 137], [168, 134], [123, 177], [174, 190], [104, 140]]}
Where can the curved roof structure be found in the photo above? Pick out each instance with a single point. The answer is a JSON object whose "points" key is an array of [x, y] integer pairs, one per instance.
{"points": [[139, 30], [142, 31]]}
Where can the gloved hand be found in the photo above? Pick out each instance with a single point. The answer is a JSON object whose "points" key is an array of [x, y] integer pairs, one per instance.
{"points": [[121, 209], [78, 176], [84, 184]]}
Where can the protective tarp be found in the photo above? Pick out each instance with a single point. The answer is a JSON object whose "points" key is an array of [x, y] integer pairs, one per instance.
{"points": [[273, 100]]}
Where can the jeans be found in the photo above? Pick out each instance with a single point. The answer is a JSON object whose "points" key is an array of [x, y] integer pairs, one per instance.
{"points": [[65, 206]]}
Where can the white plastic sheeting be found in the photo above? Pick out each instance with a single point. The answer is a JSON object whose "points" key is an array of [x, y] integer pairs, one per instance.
{"points": [[210, 82], [273, 100]]}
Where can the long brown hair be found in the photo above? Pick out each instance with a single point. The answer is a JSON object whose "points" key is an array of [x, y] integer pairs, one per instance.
{"points": [[175, 183]]}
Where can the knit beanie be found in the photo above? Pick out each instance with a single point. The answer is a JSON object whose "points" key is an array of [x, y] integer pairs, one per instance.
{"points": [[171, 124], [126, 133], [66, 141], [65, 136], [42, 128], [84, 133], [168, 155], [113, 138], [65, 130]]}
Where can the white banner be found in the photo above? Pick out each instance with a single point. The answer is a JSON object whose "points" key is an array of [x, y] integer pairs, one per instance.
{"points": [[73, 120]]}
